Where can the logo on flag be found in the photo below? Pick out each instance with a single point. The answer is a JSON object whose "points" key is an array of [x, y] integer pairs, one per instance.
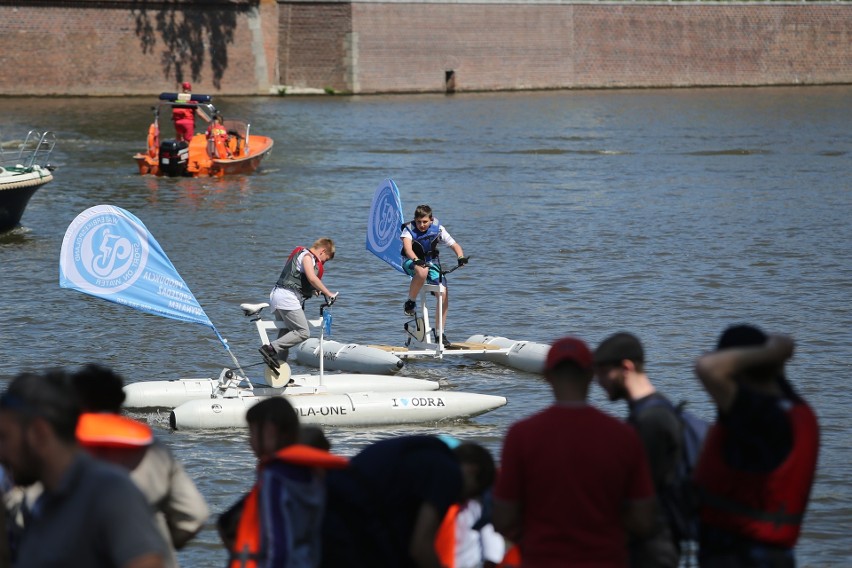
{"points": [[384, 224], [107, 255]]}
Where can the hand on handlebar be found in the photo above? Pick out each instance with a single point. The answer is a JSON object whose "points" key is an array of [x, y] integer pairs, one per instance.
{"points": [[329, 300], [463, 260]]}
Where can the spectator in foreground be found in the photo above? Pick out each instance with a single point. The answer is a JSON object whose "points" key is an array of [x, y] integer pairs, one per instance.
{"points": [[574, 482], [386, 508], [179, 508], [759, 460], [620, 372], [90, 513], [277, 525]]}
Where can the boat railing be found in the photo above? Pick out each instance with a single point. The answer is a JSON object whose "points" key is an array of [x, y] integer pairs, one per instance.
{"points": [[37, 147]]}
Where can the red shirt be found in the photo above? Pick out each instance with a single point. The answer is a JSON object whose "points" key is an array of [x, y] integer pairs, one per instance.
{"points": [[572, 469]]}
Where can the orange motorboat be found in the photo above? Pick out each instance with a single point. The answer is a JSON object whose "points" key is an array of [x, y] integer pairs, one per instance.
{"points": [[236, 151]]}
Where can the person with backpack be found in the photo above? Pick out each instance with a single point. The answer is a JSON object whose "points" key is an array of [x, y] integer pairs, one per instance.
{"points": [[671, 438]]}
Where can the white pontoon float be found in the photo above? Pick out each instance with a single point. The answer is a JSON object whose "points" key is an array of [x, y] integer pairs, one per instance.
{"points": [[343, 399], [352, 409]]}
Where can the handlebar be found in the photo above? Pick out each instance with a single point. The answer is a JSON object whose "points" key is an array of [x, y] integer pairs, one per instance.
{"points": [[463, 260], [329, 301]]}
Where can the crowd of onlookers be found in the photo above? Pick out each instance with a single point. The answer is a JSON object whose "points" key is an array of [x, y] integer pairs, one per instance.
{"points": [[85, 486]]}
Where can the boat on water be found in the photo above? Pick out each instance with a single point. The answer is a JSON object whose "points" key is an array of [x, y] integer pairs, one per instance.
{"points": [[240, 152], [22, 173]]}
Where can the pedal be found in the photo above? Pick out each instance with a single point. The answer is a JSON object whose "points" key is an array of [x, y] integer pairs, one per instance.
{"points": [[270, 361]]}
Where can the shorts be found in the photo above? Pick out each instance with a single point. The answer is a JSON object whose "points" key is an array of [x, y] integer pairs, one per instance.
{"points": [[434, 274]]}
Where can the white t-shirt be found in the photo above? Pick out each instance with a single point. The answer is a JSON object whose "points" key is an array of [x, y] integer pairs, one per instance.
{"points": [[285, 298], [474, 547]]}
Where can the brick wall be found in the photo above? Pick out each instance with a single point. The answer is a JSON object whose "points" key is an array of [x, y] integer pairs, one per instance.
{"points": [[119, 47], [409, 47]]}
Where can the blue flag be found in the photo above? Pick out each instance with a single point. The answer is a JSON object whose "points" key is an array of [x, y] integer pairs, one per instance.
{"points": [[385, 224], [108, 253]]}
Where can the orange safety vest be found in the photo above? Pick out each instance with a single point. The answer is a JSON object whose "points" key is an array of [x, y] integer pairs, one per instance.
{"points": [[766, 507], [512, 558], [445, 538], [219, 136], [246, 551], [112, 430]]}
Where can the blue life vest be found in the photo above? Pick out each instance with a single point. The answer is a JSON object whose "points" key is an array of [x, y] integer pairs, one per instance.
{"points": [[425, 243]]}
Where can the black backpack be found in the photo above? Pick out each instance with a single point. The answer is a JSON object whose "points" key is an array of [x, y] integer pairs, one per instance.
{"points": [[680, 500]]}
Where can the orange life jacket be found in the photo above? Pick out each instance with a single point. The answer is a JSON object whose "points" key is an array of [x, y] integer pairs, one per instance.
{"points": [[217, 137], [112, 430], [766, 507], [445, 538], [512, 558], [247, 548]]}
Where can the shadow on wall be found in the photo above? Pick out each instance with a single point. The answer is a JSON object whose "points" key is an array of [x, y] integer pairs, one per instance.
{"points": [[190, 32]]}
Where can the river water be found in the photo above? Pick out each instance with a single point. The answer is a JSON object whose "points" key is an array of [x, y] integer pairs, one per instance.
{"points": [[669, 213]]}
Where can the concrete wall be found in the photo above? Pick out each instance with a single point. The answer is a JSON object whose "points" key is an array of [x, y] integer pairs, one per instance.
{"points": [[118, 47]]}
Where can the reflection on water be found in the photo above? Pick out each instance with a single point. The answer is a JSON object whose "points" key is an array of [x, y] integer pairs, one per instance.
{"points": [[668, 213]]}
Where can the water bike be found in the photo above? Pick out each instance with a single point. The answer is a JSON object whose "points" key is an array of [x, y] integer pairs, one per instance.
{"points": [[423, 340], [340, 399]]}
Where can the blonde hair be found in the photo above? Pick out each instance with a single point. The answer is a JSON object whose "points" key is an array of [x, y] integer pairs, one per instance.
{"points": [[325, 243]]}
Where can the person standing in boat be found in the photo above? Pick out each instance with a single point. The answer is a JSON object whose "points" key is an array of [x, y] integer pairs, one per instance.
{"points": [[300, 280], [420, 240], [183, 115]]}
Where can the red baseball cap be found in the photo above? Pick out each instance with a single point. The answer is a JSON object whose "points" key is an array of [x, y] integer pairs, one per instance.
{"points": [[569, 349], [186, 85]]}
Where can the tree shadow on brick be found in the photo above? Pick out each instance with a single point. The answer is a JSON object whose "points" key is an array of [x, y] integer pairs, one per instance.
{"points": [[190, 32]]}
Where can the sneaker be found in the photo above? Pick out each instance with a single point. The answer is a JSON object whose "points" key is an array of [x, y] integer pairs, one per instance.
{"points": [[268, 354], [445, 341], [409, 307]]}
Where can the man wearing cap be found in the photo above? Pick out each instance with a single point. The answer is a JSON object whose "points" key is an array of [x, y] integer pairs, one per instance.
{"points": [[620, 372], [574, 482], [758, 463], [183, 115]]}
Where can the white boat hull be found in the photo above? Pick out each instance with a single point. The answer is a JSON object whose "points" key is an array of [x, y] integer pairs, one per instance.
{"points": [[349, 357], [353, 409], [522, 355], [169, 394]]}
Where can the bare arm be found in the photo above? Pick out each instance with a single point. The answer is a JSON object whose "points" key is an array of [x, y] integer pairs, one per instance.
{"points": [[308, 265], [422, 545], [506, 518], [457, 249], [718, 370]]}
